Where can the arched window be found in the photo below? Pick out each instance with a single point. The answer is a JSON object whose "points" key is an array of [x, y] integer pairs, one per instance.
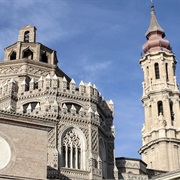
{"points": [[160, 107], [28, 54], [69, 106], [72, 150], [156, 69], [167, 75], [172, 113], [32, 105], [147, 75], [44, 57], [13, 56], [26, 36], [150, 111]]}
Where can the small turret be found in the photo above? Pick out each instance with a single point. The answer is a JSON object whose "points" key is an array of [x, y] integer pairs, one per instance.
{"points": [[73, 110], [31, 84], [48, 82], [64, 81], [81, 111], [11, 86], [40, 82], [55, 108], [23, 86], [95, 90], [55, 82], [37, 108], [82, 87], [72, 85], [90, 90], [46, 106], [65, 109]]}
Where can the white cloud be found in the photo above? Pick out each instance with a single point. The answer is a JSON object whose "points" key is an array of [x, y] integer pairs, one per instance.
{"points": [[97, 67]]}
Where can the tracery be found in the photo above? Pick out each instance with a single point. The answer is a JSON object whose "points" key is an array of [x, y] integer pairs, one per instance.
{"points": [[72, 150]]}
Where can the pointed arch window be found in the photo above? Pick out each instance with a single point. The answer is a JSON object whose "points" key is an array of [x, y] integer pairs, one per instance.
{"points": [[160, 107], [44, 57], [156, 69], [28, 54], [72, 150], [13, 55], [26, 36]]}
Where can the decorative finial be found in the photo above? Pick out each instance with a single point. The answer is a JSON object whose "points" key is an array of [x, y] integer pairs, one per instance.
{"points": [[152, 6]]}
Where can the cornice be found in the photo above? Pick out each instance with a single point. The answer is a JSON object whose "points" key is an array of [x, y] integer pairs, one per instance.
{"points": [[84, 120], [9, 117], [164, 91], [159, 140], [77, 97], [27, 61], [169, 175], [3, 176], [23, 96], [156, 53], [74, 173], [9, 96]]}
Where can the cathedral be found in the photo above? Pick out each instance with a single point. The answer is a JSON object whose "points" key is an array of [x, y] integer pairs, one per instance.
{"points": [[52, 128]]}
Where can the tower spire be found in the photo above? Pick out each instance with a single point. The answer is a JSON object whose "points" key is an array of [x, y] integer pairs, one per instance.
{"points": [[154, 25], [155, 35]]}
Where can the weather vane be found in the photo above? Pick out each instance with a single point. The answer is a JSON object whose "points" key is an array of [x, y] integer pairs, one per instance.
{"points": [[152, 5], [151, 1]]}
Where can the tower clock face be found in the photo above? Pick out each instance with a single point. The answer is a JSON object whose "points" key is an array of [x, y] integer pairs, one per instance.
{"points": [[5, 153]]}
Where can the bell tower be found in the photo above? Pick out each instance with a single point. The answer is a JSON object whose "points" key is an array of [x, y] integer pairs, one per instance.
{"points": [[161, 101], [27, 34]]}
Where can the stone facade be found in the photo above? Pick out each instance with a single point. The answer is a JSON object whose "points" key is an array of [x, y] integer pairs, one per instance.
{"points": [[23, 146], [81, 145]]}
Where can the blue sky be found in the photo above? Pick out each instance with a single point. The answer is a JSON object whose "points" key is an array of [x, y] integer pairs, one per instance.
{"points": [[98, 41]]}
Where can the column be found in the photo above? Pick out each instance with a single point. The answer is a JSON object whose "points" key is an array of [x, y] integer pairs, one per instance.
{"points": [[66, 153], [71, 158], [166, 110], [176, 111], [76, 160]]}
